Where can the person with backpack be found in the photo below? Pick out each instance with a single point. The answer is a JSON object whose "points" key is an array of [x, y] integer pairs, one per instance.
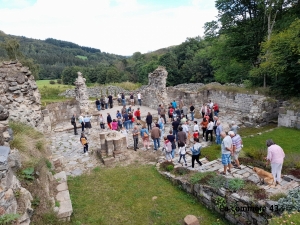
{"points": [[196, 152], [73, 122], [84, 142], [145, 136], [168, 148]]}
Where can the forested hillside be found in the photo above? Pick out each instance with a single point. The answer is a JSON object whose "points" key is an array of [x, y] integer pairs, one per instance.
{"points": [[252, 42], [53, 56]]}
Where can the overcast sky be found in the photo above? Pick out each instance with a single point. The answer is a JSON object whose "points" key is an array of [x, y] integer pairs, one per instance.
{"points": [[114, 26]]}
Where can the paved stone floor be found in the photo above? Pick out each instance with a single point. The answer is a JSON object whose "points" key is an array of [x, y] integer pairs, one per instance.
{"points": [[66, 145]]}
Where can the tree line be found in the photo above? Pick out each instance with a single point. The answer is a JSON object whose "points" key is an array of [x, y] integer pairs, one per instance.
{"points": [[254, 42]]}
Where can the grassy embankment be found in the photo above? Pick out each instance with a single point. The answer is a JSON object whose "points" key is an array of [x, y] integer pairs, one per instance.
{"points": [[124, 195]]}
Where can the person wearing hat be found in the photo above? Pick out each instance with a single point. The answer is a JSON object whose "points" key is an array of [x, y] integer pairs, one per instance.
{"points": [[237, 145]]}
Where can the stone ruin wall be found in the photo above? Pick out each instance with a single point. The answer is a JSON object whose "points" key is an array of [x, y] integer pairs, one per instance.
{"points": [[253, 109], [19, 95], [289, 117]]}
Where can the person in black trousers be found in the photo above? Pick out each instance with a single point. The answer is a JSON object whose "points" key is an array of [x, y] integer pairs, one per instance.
{"points": [[196, 152], [149, 121], [110, 101], [73, 122]]}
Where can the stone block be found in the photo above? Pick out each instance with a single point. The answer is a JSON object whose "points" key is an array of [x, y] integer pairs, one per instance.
{"points": [[61, 177], [191, 220], [65, 209], [63, 196], [62, 187], [108, 161]]}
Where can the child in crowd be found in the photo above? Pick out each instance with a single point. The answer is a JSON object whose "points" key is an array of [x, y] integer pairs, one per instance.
{"points": [[83, 141], [168, 147], [181, 152]]}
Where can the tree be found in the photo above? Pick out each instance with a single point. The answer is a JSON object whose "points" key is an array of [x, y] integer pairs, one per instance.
{"points": [[12, 47]]}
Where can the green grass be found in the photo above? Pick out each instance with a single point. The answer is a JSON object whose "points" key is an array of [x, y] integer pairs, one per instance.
{"points": [[42, 83], [130, 86], [124, 196], [82, 57], [246, 131], [287, 138], [293, 218]]}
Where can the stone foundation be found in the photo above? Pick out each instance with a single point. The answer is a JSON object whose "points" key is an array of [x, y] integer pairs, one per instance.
{"points": [[112, 145], [289, 118]]}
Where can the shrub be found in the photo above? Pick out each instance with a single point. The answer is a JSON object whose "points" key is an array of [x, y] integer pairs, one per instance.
{"points": [[198, 177], [235, 184], [170, 168], [8, 218], [257, 154], [220, 202], [28, 173], [59, 81], [164, 165], [291, 202], [277, 196], [217, 182], [48, 164], [51, 82], [295, 173], [260, 194], [181, 171]]}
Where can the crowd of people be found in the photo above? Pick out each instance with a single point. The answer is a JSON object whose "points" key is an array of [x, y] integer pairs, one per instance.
{"points": [[183, 134]]}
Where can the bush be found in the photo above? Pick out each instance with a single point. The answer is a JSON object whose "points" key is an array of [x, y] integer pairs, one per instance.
{"points": [[170, 168], [235, 184], [8, 218], [277, 196], [164, 165], [181, 171], [199, 177], [217, 182], [291, 202], [257, 154], [59, 81], [51, 82], [260, 194]]}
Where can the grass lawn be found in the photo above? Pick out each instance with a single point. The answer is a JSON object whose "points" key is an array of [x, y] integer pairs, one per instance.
{"points": [[82, 57], [123, 195], [287, 138]]}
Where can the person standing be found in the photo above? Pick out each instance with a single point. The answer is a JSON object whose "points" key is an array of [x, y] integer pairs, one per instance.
{"points": [[118, 114], [192, 111], [135, 136], [275, 157], [204, 124], [106, 102], [171, 138], [236, 148], [196, 152], [98, 105], [234, 127], [203, 110], [139, 97], [181, 105], [218, 132], [73, 122], [216, 119], [108, 120], [83, 141], [110, 101], [149, 121], [145, 136], [126, 120], [174, 104], [158, 109], [138, 115], [114, 125], [155, 135], [185, 111], [175, 125], [168, 147], [161, 127], [185, 128], [178, 113], [131, 99], [101, 121], [170, 112], [196, 126], [209, 130], [130, 117], [216, 109], [211, 104], [123, 99], [119, 98], [81, 121], [226, 151], [181, 152], [181, 136], [163, 113], [102, 103], [87, 123]]}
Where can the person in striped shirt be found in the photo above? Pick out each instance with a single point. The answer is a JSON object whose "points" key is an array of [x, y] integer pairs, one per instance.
{"points": [[237, 145]]}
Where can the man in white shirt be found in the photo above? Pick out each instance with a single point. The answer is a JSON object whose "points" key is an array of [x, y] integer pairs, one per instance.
{"points": [[211, 104], [226, 150], [209, 130], [139, 96], [185, 129]]}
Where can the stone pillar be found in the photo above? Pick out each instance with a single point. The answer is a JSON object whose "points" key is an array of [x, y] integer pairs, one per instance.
{"points": [[103, 144], [110, 146], [118, 143], [81, 93]]}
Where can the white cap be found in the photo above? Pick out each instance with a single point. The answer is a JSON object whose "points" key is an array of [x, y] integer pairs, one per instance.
{"points": [[231, 133]]}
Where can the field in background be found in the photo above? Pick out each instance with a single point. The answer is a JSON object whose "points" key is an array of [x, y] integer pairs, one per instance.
{"points": [[124, 195], [129, 86]]}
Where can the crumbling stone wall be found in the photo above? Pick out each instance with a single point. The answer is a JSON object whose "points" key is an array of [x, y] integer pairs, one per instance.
{"points": [[289, 118], [81, 92], [19, 95]]}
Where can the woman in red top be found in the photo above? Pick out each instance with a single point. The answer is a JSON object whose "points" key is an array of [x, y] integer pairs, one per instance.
{"points": [[204, 124], [216, 109]]}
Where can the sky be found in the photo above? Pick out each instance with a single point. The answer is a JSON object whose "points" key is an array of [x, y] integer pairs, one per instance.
{"points": [[115, 26]]}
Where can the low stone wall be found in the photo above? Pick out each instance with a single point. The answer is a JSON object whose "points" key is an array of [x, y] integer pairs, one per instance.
{"points": [[289, 118], [237, 209]]}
